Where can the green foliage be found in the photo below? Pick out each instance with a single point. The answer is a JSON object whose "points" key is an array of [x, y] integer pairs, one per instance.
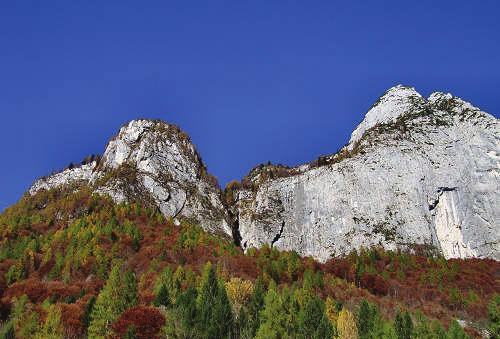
{"points": [[15, 273], [215, 318], [118, 294], [494, 316], [455, 331], [366, 319], [313, 322], [254, 307], [403, 325], [186, 306], [131, 333], [129, 289], [273, 322], [88, 312], [162, 298], [53, 327], [7, 330]]}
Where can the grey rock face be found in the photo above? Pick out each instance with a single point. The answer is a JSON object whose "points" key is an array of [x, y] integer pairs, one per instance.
{"points": [[415, 172], [156, 163]]}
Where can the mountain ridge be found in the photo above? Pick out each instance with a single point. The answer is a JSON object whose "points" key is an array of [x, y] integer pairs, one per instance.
{"points": [[399, 120]]}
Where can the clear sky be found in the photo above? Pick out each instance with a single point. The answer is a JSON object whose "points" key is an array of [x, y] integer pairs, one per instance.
{"points": [[249, 81]]}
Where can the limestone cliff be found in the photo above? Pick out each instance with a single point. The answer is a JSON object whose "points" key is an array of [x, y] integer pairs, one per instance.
{"points": [[416, 172]]}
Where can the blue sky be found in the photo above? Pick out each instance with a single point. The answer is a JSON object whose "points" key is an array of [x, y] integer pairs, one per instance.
{"points": [[252, 81]]}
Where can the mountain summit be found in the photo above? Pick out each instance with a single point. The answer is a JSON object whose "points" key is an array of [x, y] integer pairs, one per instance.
{"points": [[416, 173]]}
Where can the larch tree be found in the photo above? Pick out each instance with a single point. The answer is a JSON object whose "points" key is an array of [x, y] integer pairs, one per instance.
{"points": [[346, 325]]}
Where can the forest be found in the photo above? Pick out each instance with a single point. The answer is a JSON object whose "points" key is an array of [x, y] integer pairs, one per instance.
{"points": [[75, 265]]}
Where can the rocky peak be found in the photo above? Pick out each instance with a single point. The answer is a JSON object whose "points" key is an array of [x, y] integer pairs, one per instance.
{"points": [[396, 102], [416, 173], [155, 163]]}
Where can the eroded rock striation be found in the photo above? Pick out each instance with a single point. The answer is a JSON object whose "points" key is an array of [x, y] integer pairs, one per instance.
{"points": [[417, 172]]}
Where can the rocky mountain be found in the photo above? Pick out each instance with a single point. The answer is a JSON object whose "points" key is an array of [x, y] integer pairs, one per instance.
{"points": [[155, 163], [416, 172]]}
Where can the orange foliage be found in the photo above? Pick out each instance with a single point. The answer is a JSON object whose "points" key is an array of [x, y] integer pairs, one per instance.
{"points": [[147, 321]]}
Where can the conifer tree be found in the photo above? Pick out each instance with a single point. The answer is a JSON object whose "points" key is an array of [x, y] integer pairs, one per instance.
{"points": [[366, 320], [129, 289], [117, 295], [53, 326], [162, 298], [494, 316], [313, 322], [255, 305], [455, 331], [272, 316], [186, 308], [88, 312], [403, 325], [215, 318], [346, 325]]}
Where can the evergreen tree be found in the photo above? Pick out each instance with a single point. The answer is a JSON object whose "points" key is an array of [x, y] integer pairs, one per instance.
{"points": [[129, 289], [403, 325], [117, 295], [494, 316], [254, 308], [88, 312], [131, 333], [215, 317], [455, 331], [313, 322], [186, 308], [53, 326], [162, 298], [365, 320], [273, 316], [7, 330]]}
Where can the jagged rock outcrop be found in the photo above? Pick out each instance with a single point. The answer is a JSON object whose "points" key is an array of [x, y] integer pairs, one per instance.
{"points": [[416, 172], [155, 163]]}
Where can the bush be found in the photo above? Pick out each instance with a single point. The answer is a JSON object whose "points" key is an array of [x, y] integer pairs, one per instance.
{"points": [[146, 321]]}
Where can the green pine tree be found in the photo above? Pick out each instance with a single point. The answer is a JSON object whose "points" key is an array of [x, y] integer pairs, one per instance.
{"points": [[129, 289], [118, 294], [215, 317], [313, 322], [255, 306], [494, 316], [273, 324], [403, 325], [162, 298], [455, 331], [365, 320], [88, 311]]}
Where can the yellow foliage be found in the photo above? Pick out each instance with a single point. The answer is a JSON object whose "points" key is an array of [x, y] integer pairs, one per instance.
{"points": [[239, 292], [331, 311], [346, 325]]}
